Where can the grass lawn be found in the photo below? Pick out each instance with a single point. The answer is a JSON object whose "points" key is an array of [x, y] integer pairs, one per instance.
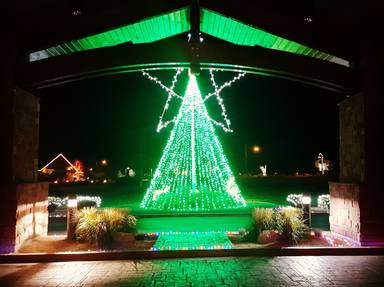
{"points": [[259, 191]]}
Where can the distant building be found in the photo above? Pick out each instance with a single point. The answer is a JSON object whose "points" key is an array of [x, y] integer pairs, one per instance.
{"points": [[60, 169]]}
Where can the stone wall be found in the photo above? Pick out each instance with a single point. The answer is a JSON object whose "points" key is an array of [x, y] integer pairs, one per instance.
{"points": [[26, 109], [24, 204], [351, 116], [32, 211], [356, 201], [24, 215], [344, 217]]}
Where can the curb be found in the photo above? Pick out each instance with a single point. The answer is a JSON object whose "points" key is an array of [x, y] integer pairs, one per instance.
{"points": [[129, 255]]}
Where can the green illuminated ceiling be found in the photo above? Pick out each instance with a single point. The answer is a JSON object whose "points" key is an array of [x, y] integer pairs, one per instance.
{"points": [[145, 31], [177, 22], [236, 32]]}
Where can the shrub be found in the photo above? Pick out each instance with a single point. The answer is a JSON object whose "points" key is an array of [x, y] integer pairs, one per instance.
{"points": [[263, 218], [291, 225], [88, 226], [295, 199], [86, 203], [324, 201], [82, 201], [287, 221], [100, 225]]}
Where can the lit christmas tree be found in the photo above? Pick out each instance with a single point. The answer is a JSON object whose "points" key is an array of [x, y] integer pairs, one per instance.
{"points": [[193, 173]]}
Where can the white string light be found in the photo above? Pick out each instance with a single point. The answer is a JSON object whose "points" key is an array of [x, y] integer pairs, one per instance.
{"points": [[227, 126], [226, 84], [218, 89], [157, 81], [171, 94]]}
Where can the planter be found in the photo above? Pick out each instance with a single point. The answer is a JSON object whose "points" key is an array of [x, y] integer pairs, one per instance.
{"points": [[268, 236], [123, 240]]}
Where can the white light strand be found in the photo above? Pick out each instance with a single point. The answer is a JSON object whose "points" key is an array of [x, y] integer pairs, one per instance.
{"points": [[218, 89], [171, 94], [226, 129], [226, 84], [157, 81], [227, 126], [162, 124]]}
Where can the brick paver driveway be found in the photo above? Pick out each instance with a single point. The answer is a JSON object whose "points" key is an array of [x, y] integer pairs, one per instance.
{"points": [[260, 271]]}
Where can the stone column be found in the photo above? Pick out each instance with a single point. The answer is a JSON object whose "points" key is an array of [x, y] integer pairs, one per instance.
{"points": [[357, 201], [8, 202], [372, 188], [23, 204]]}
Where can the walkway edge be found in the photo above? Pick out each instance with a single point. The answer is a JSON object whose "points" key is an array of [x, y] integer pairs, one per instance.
{"points": [[118, 255]]}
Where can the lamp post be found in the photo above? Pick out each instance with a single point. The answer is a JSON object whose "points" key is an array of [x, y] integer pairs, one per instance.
{"points": [[306, 205], [71, 216], [254, 149]]}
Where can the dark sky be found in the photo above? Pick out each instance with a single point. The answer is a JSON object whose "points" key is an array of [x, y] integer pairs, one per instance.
{"points": [[115, 117]]}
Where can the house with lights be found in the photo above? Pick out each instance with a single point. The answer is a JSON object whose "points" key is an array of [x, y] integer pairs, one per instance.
{"points": [[60, 169]]}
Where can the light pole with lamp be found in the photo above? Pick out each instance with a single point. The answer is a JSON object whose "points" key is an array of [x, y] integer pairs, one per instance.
{"points": [[254, 149], [306, 205], [71, 216]]}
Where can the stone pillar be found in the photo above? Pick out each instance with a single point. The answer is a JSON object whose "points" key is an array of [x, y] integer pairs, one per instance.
{"points": [[357, 201], [23, 204], [345, 216], [8, 202], [372, 188]]}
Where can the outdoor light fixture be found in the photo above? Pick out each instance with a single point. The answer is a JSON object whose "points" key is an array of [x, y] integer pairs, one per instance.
{"points": [[306, 199], [306, 206], [71, 216], [72, 203]]}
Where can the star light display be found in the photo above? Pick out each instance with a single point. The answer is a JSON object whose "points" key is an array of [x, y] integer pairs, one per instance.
{"points": [[193, 173]]}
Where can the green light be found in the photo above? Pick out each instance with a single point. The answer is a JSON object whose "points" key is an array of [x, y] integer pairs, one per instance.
{"points": [[193, 173], [236, 32], [176, 22], [192, 241], [145, 31]]}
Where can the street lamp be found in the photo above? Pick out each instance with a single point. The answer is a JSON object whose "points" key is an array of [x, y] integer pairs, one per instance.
{"points": [[254, 149], [104, 162], [306, 205]]}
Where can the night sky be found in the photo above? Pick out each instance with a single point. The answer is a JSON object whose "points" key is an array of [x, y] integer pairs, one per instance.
{"points": [[115, 117]]}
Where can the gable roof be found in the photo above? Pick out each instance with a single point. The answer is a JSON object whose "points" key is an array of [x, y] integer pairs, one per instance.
{"points": [[176, 22], [55, 159]]}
